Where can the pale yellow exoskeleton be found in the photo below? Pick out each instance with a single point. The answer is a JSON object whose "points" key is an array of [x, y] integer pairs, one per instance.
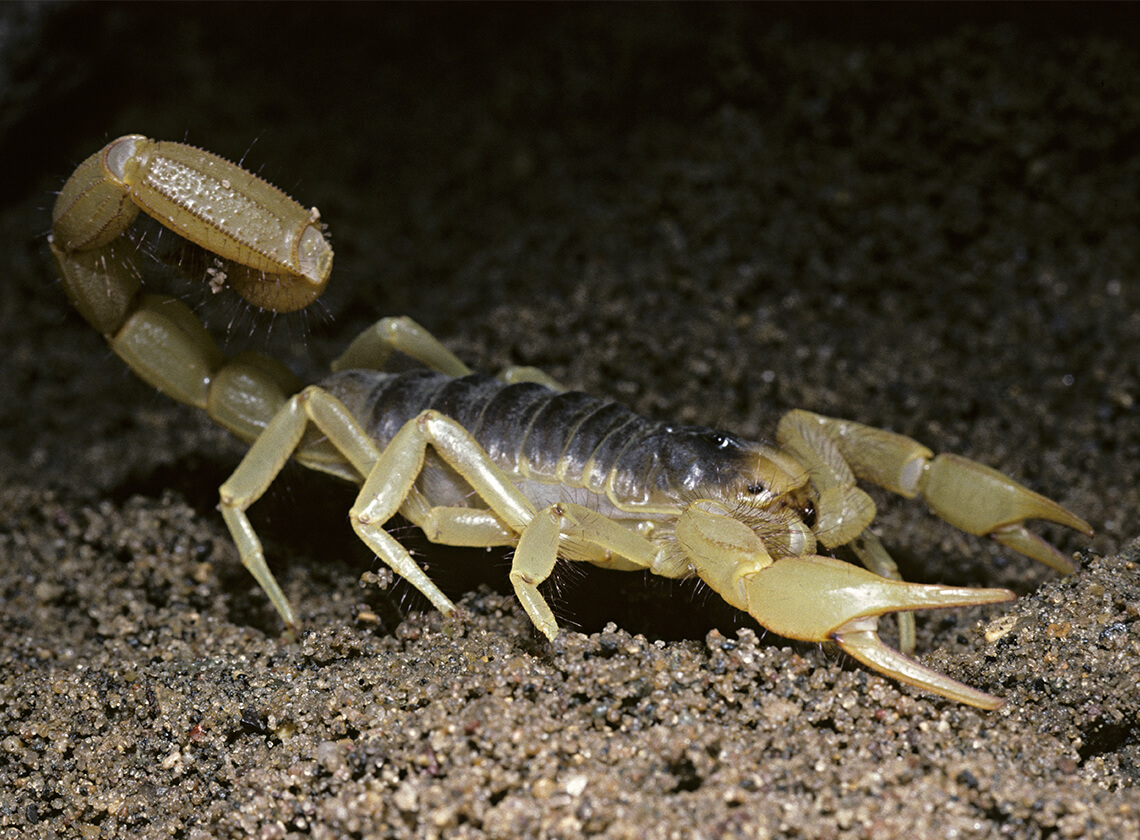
{"points": [[517, 460]]}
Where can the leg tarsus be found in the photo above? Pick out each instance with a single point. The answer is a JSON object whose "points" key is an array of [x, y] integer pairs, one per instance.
{"points": [[372, 348], [575, 530], [534, 560], [253, 558], [526, 373], [397, 558]]}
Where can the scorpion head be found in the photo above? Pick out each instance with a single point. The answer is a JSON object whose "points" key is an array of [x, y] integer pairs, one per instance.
{"points": [[773, 497]]}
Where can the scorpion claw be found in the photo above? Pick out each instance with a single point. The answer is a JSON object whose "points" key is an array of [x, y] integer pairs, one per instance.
{"points": [[1024, 541], [979, 500], [819, 599], [860, 640]]}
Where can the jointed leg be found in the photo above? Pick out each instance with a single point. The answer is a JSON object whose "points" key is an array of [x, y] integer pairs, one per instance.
{"points": [[372, 348], [389, 487], [526, 373], [541, 535], [539, 547], [264, 462]]}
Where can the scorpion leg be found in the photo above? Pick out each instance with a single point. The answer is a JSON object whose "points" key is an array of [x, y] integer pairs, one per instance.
{"points": [[970, 496], [373, 348], [546, 537], [390, 476], [460, 526], [526, 373], [390, 485]]}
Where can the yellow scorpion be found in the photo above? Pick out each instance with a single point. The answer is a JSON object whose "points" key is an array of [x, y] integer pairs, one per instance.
{"points": [[516, 460]]}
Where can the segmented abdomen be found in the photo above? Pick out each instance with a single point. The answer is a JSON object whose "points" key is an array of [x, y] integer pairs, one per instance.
{"points": [[568, 438]]}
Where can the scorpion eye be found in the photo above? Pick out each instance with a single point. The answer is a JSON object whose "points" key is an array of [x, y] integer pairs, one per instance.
{"points": [[755, 489]]}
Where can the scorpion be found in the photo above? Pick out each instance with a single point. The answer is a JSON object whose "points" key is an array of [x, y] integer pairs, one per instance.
{"points": [[516, 460]]}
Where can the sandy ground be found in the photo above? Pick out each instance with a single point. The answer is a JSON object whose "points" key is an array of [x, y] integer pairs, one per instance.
{"points": [[712, 214]]}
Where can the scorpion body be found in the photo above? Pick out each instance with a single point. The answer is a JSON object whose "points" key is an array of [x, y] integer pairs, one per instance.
{"points": [[517, 460], [558, 445]]}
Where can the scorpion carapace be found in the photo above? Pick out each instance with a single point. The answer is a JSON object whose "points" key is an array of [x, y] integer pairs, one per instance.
{"points": [[516, 460]]}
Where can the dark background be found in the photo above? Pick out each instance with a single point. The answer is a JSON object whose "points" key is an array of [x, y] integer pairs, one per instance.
{"points": [[918, 217]]}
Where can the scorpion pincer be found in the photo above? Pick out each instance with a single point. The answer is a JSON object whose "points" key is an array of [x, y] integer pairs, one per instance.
{"points": [[516, 460]]}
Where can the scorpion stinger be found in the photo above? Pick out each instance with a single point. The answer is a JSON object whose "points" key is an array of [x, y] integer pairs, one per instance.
{"points": [[516, 460]]}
